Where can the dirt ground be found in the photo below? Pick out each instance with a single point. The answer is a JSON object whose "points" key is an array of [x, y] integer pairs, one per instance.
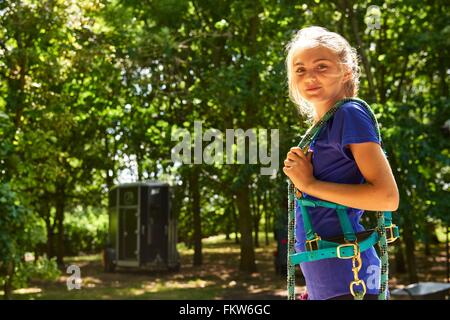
{"points": [[218, 278]]}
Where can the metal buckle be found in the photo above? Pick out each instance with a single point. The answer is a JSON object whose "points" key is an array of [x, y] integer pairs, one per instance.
{"points": [[355, 250], [309, 243], [357, 283], [390, 238]]}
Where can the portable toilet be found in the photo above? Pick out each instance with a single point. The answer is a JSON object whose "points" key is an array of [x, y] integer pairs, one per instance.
{"points": [[142, 228]]}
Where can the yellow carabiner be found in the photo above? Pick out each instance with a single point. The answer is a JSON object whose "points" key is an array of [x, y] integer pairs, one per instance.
{"points": [[357, 259], [356, 283]]}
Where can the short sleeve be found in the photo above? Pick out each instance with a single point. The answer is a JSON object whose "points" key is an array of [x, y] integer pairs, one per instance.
{"points": [[352, 123]]}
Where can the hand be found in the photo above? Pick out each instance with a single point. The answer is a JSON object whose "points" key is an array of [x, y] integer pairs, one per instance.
{"points": [[299, 169]]}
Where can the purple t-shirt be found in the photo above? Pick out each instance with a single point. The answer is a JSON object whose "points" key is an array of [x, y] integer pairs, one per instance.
{"points": [[333, 162]]}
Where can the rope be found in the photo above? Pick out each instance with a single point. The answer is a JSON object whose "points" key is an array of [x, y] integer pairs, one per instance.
{"points": [[382, 243]]}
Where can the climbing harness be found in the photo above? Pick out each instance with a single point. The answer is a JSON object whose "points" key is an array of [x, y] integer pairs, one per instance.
{"points": [[350, 244]]}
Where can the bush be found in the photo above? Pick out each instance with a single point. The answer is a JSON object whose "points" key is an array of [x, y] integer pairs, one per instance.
{"points": [[19, 232], [41, 269], [85, 231]]}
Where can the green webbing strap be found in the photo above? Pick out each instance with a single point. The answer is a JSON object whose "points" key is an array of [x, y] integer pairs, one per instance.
{"points": [[328, 249], [346, 226], [319, 203], [307, 223], [388, 224], [387, 218]]}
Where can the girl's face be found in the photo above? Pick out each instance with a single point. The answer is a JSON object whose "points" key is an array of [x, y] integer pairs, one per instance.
{"points": [[318, 75]]}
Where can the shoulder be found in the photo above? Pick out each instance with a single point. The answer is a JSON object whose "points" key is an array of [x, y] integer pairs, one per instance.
{"points": [[353, 109], [354, 122], [354, 113]]}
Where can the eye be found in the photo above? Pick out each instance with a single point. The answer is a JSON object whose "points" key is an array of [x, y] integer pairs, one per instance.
{"points": [[300, 71], [322, 67]]}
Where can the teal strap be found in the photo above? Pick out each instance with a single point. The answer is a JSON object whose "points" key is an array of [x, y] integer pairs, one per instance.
{"points": [[349, 233], [307, 223], [346, 226], [387, 218], [330, 249], [394, 233], [308, 256], [319, 203]]}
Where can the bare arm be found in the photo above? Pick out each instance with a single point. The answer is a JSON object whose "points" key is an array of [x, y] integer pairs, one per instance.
{"points": [[379, 193]]}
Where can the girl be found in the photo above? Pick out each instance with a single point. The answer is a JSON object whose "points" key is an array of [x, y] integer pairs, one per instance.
{"points": [[345, 164]]}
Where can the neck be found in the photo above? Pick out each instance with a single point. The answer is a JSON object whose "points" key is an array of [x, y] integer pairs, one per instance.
{"points": [[322, 107]]}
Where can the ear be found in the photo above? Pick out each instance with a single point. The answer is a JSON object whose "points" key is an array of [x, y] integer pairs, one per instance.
{"points": [[347, 75]]}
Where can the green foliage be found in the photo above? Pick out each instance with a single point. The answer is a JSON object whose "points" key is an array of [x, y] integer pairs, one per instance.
{"points": [[43, 269], [19, 233], [85, 231], [417, 148], [86, 85]]}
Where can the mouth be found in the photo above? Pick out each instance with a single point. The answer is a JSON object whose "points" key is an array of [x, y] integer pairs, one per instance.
{"points": [[312, 89]]}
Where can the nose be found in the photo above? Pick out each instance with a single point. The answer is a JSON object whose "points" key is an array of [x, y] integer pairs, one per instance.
{"points": [[310, 75]]}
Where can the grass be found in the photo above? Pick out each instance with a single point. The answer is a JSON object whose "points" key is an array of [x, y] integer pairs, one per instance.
{"points": [[218, 278]]}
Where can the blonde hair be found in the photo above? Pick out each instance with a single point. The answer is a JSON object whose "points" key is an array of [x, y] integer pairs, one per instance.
{"points": [[314, 37]]}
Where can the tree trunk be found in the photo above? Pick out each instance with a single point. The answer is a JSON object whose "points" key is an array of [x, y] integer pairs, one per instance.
{"points": [[60, 206], [110, 162], [443, 75], [236, 223], [15, 99], [256, 217], [139, 162], [410, 250], [402, 79], [447, 254], [405, 210], [45, 214], [428, 234], [229, 223], [256, 227], [50, 240], [382, 74], [266, 219], [23, 63], [365, 61], [247, 263], [196, 216], [7, 286], [400, 266]]}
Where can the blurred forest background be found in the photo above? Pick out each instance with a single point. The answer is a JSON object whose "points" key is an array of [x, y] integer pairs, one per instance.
{"points": [[92, 90]]}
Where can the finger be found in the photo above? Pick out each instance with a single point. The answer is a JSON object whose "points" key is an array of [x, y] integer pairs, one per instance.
{"points": [[295, 157], [298, 152], [289, 163], [292, 156], [309, 156]]}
